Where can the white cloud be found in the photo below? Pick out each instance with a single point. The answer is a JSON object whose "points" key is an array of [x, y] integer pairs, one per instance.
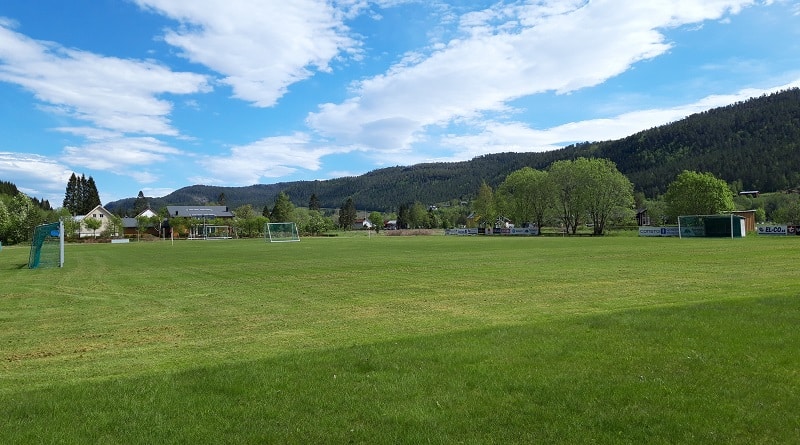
{"points": [[108, 92], [49, 175], [116, 153], [260, 46], [507, 53], [270, 157], [519, 137]]}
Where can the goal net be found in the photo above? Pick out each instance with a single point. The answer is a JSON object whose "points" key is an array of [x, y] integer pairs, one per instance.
{"points": [[691, 226], [281, 232], [47, 246]]}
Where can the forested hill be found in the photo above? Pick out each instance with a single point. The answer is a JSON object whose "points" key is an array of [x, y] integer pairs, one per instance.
{"points": [[755, 144]]}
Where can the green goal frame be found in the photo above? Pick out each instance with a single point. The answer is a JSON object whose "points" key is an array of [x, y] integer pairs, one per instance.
{"points": [[47, 246]]}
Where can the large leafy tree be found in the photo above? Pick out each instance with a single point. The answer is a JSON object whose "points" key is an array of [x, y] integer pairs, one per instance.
{"points": [[20, 218], [5, 220], [526, 195], [115, 227], [418, 216], [283, 209], [609, 190], [694, 193], [787, 214], [484, 205], [571, 187], [591, 190], [245, 220], [317, 223], [92, 224], [376, 219]]}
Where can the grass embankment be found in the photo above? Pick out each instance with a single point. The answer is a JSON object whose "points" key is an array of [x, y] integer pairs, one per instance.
{"points": [[404, 340]]}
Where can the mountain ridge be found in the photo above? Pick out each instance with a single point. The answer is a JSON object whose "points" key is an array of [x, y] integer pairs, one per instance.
{"points": [[754, 144]]}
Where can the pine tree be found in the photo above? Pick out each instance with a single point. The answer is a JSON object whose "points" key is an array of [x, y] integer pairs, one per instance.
{"points": [[83, 196], [92, 195], [140, 204], [71, 195], [403, 216], [313, 203], [347, 214]]}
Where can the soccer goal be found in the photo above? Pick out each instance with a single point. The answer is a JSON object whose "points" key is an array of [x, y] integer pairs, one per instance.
{"points": [[47, 246], [281, 232]]}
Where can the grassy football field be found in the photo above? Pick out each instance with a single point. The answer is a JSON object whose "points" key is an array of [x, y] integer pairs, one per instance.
{"points": [[383, 339]]}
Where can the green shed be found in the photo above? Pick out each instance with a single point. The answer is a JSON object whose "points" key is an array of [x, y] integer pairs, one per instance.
{"points": [[712, 226]]}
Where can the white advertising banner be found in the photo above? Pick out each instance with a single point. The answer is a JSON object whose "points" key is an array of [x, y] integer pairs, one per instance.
{"points": [[658, 231], [775, 229], [524, 231]]}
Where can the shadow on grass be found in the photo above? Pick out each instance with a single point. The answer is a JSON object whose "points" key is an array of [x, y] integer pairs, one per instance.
{"points": [[722, 372]]}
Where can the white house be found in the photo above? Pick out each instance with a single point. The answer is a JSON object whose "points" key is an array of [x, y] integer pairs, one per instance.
{"points": [[362, 224], [99, 213]]}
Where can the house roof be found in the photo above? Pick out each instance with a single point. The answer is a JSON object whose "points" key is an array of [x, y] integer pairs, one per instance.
{"points": [[199, 211], [148, 213], [97, 209]]}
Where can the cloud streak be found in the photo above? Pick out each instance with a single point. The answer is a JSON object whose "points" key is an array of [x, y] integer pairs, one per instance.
{"points": [[108, 92], [505, 54], [260, 47]]}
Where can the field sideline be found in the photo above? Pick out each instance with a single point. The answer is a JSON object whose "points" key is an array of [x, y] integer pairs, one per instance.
{"points": [[427, 339]]}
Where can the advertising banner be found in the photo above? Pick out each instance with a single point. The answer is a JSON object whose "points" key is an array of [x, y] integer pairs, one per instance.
{"points": [[461, 232], [658, 231], [775, 229]]}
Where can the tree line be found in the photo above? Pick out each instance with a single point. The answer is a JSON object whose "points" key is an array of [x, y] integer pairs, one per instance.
{"points": [[568, 195]]}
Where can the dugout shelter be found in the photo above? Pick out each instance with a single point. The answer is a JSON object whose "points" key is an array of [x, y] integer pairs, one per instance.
{"points": [[711, 226]]}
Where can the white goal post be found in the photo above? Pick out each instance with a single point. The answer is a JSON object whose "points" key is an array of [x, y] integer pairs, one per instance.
{"points": [[281, 232]]}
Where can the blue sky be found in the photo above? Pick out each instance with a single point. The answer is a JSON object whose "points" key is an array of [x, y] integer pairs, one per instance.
{"points": [[155, 95]]}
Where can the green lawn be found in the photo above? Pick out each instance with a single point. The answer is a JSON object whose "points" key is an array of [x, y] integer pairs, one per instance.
{"points": [[412, 340]]}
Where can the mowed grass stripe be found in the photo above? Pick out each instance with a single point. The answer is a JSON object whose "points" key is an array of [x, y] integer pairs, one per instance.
{"points": [[510, 340]]}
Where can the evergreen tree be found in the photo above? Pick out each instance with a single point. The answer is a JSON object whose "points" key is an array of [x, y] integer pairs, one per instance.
{"points": [[403, 216], [92, 195], [347, 214], [283, 211], [140, 204], [8, 188], [313, 203], [71, 197], [83, 195]]}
